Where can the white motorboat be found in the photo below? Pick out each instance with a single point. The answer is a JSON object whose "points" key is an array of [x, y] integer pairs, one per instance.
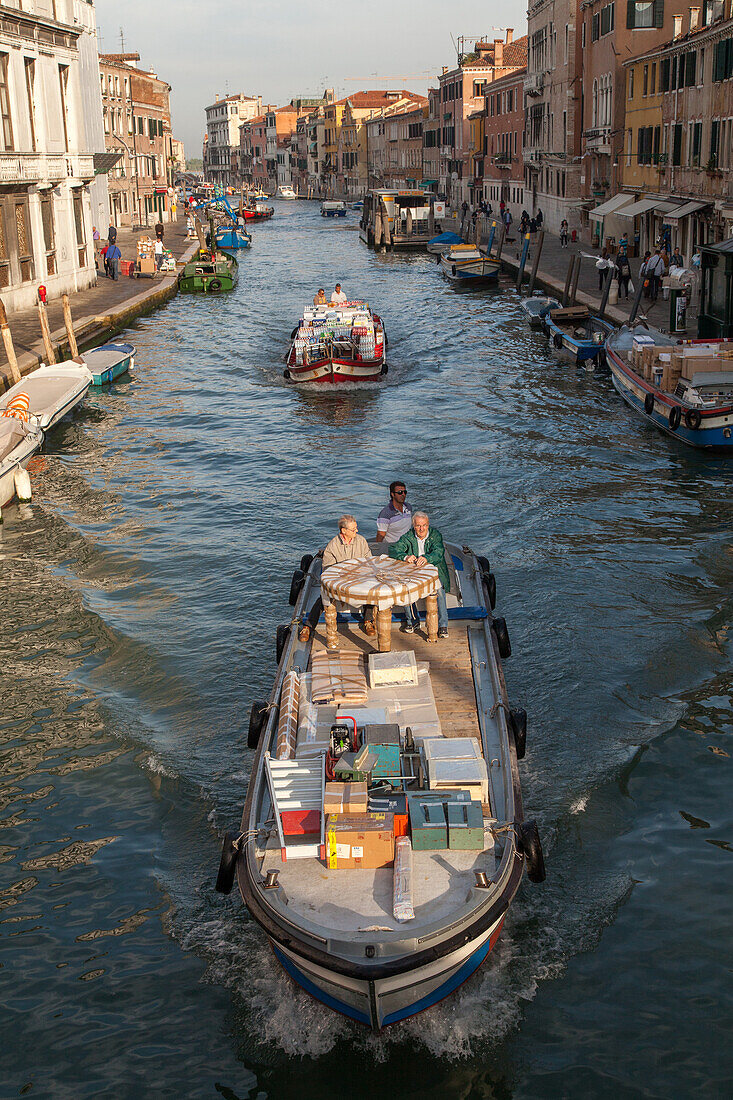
{"points": [[19, 440], [284, 191], [53, 391], [431, 784]]}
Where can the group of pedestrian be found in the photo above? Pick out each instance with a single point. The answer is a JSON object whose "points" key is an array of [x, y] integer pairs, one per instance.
{"points": [[109, 252]]}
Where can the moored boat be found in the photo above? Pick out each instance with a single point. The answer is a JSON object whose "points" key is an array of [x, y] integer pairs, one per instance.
{"points": [[260, 212], [209, 273], [438, 244], [683, 387], [463, 263], [335, 344], [577, 333], [285, 191], [109, 361], [534, 307], [232, 236], [19, 441], [333, 208], [52, 390], [382, 915]]}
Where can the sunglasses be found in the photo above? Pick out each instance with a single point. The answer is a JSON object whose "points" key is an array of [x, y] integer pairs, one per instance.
{"points": [[400, 492]]}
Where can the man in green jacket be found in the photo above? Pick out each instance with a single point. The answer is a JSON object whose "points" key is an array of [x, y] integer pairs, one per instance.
{"points": [[424, 546]]}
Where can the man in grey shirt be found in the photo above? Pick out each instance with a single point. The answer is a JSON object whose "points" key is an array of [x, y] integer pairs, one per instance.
{"points": [[348, 543], [395, 519]]}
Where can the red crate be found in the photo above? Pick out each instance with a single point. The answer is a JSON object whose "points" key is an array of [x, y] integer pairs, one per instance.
{"points": [[301, 822], [127, 267]]}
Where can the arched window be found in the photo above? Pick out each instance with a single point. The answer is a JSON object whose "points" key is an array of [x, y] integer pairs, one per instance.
{"points": [[595, 103]]}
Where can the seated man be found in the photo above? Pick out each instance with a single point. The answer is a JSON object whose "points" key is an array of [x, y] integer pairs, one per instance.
{"points": [[346, 544], [424, 546], [338, 298], [320, 298]]}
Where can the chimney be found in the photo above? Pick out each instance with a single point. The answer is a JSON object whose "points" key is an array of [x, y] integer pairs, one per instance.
{"points": [[509, 36], [498, 53], [445, 68], [694, 18], [259, 104], [217, 98], [677, 26]]}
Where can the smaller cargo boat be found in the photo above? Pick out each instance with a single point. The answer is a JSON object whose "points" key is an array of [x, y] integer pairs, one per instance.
{"points": [[52, 391], [535, 307], [209, 273], [333, 209], [232, 236], [577, 333], [109, 361], [260, 212], [464, 264], [683, 387], [334, 344], [20, 438]]}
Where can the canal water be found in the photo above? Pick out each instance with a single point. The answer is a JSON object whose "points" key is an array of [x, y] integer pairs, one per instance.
{"points": [[141, 593]]}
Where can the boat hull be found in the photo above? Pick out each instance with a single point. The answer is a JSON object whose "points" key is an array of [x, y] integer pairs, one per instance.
{"points": [[385, 1001], [579, 350], [230, 238], [337, 371], [54, 391], [710, 436], [17, 460], [109, 362]]}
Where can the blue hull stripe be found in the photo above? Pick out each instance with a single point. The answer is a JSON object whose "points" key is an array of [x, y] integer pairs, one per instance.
{"points": [[317, 992], [454, 613], [465, 971], [702, 439]]}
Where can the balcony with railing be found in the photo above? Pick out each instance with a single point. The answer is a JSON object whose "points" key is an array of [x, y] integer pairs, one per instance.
{"points": [[45, 167], [534, 83], [598, 139]]}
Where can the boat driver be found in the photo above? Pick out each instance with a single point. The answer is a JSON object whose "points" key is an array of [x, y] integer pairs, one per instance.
{"points": [[320, 298], [395, 519], [338, 298], [347, 544]]}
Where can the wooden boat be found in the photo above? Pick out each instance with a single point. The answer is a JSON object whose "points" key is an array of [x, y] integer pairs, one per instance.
{"points": [[232, 236], [536, 306], [260, 212], [109, 361], [463, 263], [574, 331], [209, 273], [19, 441], [437, 245], [53, 391], [336, 344], [333, 209], [683, 387], [337, 930]]}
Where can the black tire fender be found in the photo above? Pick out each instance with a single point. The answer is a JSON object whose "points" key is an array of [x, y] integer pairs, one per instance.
{"points": [[215, 284], [557, 340], [257, 719], [489, 584], [228, 864], [502, 638], [292, 334], [484, 563], [281, 640], [295, 586], [693, 419], [675, 415], [518, 726], [528, 842], [649, 404], [305, 563]]}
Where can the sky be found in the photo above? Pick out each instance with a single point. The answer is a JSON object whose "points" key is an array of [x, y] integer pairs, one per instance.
{"points": [[286, 48]]}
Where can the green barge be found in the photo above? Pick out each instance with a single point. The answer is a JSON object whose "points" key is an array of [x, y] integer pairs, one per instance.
{"points": [[209, 273]]}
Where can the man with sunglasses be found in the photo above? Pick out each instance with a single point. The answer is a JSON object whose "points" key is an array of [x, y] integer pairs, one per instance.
{"points": [[395, 519]]}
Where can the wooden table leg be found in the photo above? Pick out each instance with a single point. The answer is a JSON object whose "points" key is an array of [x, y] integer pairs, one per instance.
{"points": [[431, 617], [332, 638], [384, 629]]}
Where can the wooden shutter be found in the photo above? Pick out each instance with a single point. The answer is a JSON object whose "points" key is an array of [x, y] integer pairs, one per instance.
{"points": [[664, 76], [630, 14], [659, 14], [690, 67]]}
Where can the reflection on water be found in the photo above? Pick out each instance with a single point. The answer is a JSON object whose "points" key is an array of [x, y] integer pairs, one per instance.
{"points": [[142, 588]]}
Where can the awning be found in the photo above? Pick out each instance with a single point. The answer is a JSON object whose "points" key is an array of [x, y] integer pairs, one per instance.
{"points": [[103, 162], [684, 211], [639, 207], [610, 205]]}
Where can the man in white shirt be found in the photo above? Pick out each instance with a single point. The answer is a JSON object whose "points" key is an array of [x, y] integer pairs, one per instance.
{"points": [[338, 298], [396, 517], [654, 272]]}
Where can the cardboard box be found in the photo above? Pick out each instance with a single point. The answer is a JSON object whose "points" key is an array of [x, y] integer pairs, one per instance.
{"points": [[359, 840], [333, 798]]}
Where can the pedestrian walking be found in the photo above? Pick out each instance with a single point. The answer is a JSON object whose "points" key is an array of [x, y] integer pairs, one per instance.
{"points": [[112, 233], [113, 261], [533, 225], [539, 217], [623, 244], [655, 271], [564, 233], [623, 274], [158, 253], [602, 265], [677, 259], [644, 274], [159, 231]]}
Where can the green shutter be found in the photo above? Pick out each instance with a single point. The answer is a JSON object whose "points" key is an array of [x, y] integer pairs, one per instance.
{"points": [[664, 76], [690, 69], [714, 141], [659, 14], [630, 14]]}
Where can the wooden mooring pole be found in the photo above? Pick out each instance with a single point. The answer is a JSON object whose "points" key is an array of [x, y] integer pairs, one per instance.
{"points": [[536, 263], [568, 280], [523, 261], [576, 276], [8, 342], [45, 330], [69, 325]]}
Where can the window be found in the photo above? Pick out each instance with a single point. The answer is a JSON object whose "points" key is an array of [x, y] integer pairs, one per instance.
{"points": [[644, 13], [714, 142], [631, 83], [25, 244], [656, 144], [79, 226], [653, 87], [49, 236], [30, 79], [645, 81], [695, 143], [723, 60], [677, 144], [595, 29], [629, 147], [5, 104], [691, 60], [477, 86], [63, 89]]}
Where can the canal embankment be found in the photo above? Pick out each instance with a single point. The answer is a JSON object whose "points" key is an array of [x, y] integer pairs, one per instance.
{"points": [[101, 311]]}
